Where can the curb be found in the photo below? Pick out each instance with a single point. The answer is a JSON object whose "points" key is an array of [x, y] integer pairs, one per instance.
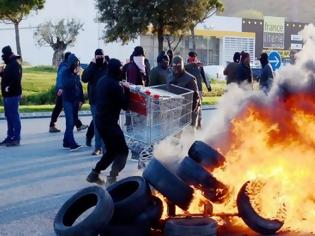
{"points": [[39, 115]]}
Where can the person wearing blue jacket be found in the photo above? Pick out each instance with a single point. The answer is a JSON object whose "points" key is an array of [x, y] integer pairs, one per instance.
{"points": [[58, 104], [72, 95]]}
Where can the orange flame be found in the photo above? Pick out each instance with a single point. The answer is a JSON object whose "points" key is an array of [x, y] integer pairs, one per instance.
{"points": [[275, 143]]}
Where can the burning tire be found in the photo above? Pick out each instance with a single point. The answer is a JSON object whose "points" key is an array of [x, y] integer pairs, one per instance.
{"points": [[206, 155], [168, 184], [152, 213], [131, 196], [128, 230], [194, 174], [191, 226], [251, 217], [78, 204]]}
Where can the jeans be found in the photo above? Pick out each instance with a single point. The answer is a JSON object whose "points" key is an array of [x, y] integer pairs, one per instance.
{"points": [[11, 111], [98, 141], [116, 149], [56, 112], [70, 109]]}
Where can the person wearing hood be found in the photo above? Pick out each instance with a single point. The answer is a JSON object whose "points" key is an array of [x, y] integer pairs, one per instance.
{"points": [[58, 103], [73, 99], [230, 70], [244, 73], [182, 78], [111, 97], [138, 68], [195, 68], [160, 73], [11, 89], [266, 76], [91, 75]]}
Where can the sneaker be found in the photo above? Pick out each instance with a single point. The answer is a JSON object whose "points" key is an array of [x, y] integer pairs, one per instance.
{"points": [[82, 127], [75, 147], [97, 152], [94, 177], [53, 129], [13, 143], [88, 142], [110, 180], [5, 142], [65, 146]]}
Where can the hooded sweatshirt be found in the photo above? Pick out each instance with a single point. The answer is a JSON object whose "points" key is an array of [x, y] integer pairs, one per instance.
{"points": [[12, 77], [71, 84]]}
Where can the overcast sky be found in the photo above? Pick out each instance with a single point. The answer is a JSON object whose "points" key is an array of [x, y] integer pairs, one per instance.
{"points": [[87, 41]]}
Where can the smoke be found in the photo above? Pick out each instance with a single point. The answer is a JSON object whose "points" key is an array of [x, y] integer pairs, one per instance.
{"points": [[289, 79]]}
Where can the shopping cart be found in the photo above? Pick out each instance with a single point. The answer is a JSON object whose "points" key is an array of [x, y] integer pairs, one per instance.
{"points": [[155, 113]]}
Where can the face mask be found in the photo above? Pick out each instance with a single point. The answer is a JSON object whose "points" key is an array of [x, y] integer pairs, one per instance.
{"points": [[99, 61], [164, 64]]}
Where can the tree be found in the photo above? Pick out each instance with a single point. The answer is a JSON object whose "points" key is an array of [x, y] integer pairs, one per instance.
{"points": [[14, 11], [58, 36], [125, 20], [210, 7], [173, 41]]}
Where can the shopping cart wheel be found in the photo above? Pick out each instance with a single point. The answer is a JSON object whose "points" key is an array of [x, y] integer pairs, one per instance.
{"points": [[145, 156]]}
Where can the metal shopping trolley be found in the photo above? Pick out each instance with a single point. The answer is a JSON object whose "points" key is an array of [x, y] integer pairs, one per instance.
{"points": [[155, 113]]}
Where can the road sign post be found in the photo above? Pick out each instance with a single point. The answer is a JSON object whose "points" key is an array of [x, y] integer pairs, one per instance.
{"points": [[275, 60]]}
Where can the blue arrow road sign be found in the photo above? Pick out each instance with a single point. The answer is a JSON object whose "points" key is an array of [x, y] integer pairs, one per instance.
{"points": [[275, 60]]}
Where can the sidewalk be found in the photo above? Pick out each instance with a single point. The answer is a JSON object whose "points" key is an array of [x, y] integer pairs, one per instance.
{"points": [[32, 115]]}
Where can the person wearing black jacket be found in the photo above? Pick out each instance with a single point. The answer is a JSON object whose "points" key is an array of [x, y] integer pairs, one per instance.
{"points": [[111, 97], [91, 75], [195, 68], [73, 99], [11, 89]]}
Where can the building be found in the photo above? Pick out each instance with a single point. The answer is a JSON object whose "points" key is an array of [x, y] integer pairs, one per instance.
{"points": [[220, 37]]}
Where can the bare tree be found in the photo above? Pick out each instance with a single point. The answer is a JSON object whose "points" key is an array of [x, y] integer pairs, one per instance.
{"points": [[58, 36], [15, 11], [173, 41]]}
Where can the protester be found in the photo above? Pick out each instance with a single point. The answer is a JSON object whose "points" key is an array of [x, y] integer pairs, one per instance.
{"points": [[58, 103], [195, 68], [160, 73], [91, 75], [231, 69], [72, 99], [244, 73], [182, 78], [111, 97], [266, 76], [11, 90], [136, 71]]}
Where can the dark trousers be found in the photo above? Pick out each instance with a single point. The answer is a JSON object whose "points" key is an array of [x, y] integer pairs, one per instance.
{"points": [[116, 149], [70, 109], [57, 110], [11, 111], [90, 131]]}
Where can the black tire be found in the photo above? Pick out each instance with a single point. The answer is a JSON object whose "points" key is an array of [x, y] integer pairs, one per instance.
{"points": [[126, 230], [251, 217], [192, 173], [152, 214], [191, 226], [208, 157], [131, 196], [168, 184], [94, 223]]}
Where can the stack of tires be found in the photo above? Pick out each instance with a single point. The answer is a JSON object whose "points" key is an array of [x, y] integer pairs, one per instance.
{"points": [[125, 208]]}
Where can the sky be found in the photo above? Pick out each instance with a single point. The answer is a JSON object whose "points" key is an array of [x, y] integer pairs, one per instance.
{"points": [[87, 41]]}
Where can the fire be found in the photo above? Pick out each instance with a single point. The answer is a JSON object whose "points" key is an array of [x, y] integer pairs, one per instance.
{"points": [[274, 143]]}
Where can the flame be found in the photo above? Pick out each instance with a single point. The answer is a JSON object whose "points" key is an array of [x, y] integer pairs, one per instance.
{"points": [[276, 144]]}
